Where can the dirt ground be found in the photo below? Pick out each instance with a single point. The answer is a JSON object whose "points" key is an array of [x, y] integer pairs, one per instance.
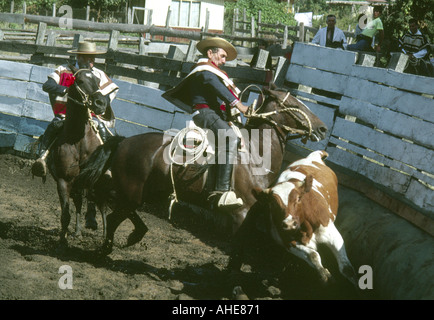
{"points": [[178, 259]]}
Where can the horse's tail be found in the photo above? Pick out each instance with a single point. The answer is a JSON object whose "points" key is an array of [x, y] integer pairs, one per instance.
{"points": [[97, 163]]}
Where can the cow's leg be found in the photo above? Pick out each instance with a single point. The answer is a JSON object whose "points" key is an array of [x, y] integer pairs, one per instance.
{"points": [[312, 257], [331, 237]]}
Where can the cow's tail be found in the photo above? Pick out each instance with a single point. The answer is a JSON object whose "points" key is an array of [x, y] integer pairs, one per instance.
{"points": [[97, 163]]}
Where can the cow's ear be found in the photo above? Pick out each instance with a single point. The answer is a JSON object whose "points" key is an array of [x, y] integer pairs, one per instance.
{"points": [[308, 183]]}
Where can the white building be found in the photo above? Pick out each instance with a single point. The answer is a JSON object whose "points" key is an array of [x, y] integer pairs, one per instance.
{"points": [[185, 14]]}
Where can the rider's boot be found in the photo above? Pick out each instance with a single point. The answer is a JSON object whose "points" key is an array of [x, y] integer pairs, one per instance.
{"points": [[103, 132], [39, 167], [228, 199]]}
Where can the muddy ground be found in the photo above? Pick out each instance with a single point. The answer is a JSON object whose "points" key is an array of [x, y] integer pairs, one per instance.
{"points": [[182, 258]]}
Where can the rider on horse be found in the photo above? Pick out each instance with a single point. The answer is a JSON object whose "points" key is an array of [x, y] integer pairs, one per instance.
{"points": [[209, 95], [57, 88]]}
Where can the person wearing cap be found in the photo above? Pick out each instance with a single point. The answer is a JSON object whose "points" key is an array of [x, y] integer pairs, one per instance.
{"points": [[57, 88], [209, 95]]}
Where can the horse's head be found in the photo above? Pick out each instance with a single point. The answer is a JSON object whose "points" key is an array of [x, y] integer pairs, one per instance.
{"points": [[85, 91], [292, 115]]}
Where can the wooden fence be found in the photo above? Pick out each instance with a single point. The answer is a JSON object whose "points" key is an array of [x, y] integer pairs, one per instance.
{"points": [[380, 120], [244, 26], [381, 126]]}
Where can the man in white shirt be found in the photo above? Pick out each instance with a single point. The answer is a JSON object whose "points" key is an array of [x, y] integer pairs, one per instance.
{"points": [[331, 36]]}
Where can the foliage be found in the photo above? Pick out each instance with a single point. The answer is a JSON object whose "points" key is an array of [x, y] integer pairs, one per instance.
{"points": [[399, 12], [272, 11]]}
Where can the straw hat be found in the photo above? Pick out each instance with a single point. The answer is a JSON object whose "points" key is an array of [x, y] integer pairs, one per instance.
{"points": [[217, 42], [86, 48]]}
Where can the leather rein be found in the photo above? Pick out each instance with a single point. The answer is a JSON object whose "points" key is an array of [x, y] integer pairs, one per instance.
{"points": [[282, 129]]}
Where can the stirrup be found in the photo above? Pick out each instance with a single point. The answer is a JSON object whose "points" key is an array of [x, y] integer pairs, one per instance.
{"points": [[229, 201]]}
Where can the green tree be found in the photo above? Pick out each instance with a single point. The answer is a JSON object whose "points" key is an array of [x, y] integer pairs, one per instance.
{"points": [[272, 11], [399, 12]]}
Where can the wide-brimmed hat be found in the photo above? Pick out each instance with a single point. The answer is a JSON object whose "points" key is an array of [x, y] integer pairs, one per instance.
{"points": [[86, 48], [217, 42]]}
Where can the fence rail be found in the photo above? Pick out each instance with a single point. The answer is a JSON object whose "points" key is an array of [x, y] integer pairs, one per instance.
{"points": [[381, 121]]}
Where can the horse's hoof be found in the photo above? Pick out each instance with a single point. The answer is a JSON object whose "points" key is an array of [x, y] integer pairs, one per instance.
{"points": [[135, 237], [39, 168], [105, 249]]}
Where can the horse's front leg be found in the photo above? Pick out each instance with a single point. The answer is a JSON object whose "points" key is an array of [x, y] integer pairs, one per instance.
{"points": [[65, 217], [77, 197]]}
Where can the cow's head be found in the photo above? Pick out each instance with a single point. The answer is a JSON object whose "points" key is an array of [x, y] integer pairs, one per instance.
{"points": [[286, 206]]}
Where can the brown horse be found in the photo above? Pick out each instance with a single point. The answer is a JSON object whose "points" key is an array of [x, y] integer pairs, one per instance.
{"points": [[77, 140], [140, 171]]}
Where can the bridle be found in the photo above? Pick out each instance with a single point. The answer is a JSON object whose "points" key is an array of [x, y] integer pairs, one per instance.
{"points": [[85, 98], [85, 101], [254, 114]]}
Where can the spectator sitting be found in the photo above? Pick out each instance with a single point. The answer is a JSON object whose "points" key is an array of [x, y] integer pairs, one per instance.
{"points": [[417, 47], [364, 41], [362, 21], [330, 36]]}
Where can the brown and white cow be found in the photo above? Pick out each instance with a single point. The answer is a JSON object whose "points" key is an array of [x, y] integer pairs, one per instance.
{"points": [[303, 205]]}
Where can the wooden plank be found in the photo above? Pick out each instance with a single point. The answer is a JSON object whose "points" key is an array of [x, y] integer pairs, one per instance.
{"points": [[396, 165], [405, 102], [421, 195], [22, 48], [35, 93], [143, 95], [151, 61], [179, 120], [9, 123], [7, 139], [317, 79], [142, 115], [15, 70], [13, 88], [312, 96], [328, 59], [395, 79], [40, 74], [400, 150], [23, 143], [38, 110], [31, 127], [387, 120], [11, 105], [143, 75], [391, 179], [128, 129]]}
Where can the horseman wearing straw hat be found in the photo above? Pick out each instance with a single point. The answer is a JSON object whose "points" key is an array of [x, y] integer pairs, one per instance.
{"points": [[208, 94], [57, 87]]}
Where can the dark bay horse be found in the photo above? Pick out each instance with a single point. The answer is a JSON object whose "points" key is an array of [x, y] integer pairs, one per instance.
{"points": [[140, 172], [77, 140]]}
